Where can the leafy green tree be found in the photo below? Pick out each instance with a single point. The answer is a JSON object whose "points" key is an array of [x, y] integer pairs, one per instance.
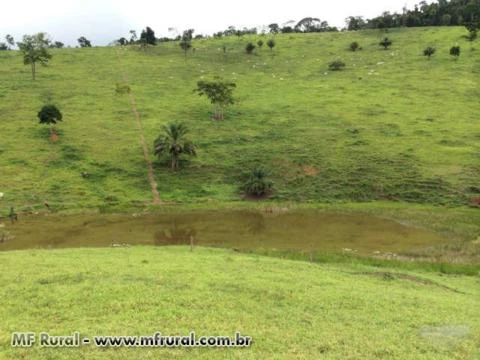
{"points": [[354, 46], [186, 41], [257, 183], [274, 28], [249, 48], [34, 49], [219, 93], [271, 44], [84, 42], [58, 44], [260, 43], [3, 46], [174, 143], [429, 51], [50, 115], [336, 65], [148, 36], [386, 43], [455, 51]]}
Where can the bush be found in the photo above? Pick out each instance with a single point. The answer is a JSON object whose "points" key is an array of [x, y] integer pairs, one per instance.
{"points": [[257, 184], [271, 44], [455, 51], [354, 46], [122, 88], [260, 43], [249, 48], [429, 51], [386, 43], [336, 65]]}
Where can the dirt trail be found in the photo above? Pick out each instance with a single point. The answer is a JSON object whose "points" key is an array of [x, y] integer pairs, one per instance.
{"points": [[146, 157]]}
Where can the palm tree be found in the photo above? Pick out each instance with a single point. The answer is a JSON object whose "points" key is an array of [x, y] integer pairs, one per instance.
{"points": [[173, 142]]}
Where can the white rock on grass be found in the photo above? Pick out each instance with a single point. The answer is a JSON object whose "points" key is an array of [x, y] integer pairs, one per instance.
{"points": [[1, 195]]}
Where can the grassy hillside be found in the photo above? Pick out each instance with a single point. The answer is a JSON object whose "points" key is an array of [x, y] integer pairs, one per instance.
{"points": [[347, 312], [392, 125]]}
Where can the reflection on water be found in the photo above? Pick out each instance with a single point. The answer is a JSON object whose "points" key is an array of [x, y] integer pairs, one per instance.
{"points": [[295, 230]]}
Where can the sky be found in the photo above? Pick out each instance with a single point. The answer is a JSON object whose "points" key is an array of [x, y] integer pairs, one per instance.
{"points": [[103, 21]]}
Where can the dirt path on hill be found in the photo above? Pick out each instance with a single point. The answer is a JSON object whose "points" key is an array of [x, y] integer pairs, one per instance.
{"points": [[146, 157]]}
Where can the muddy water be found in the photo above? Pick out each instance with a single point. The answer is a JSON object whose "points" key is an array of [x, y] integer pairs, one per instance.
{"points": [[296, 230]]}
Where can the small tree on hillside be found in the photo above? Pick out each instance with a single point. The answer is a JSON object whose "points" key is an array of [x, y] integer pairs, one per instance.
{"points": [[271, 44], [455, 51], [219, 93], [3, 46], [354, 46], [429, 51], [186, 41], [249, 48], [84, 42], [260, 43], [50, 115], [34, 49], [386, 43], [174, 143]]}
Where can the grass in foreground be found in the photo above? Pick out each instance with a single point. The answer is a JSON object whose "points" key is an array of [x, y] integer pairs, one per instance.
{"points": [[291, 309]]}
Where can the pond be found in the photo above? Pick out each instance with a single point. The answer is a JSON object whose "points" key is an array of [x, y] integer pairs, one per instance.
{"points": [[305, 230]]}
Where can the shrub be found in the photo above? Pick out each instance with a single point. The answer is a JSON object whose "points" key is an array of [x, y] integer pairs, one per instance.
{"points": [[249, 48], [386, 43], [260, 43], [336, 65], [271, 44], [354, 46], [257, 184], [429, 51]]}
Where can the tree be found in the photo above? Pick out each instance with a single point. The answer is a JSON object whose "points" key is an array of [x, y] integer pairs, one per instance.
{"points": [[219, 93], [429, 51], [274, 28], [3, 46], [257, 184], [84, 42], [133, 36], [173, 142], [355, 23], [271, 44], [336, 65], [148, 36], [10, 41], [249, 48], [50, 115], [386, 43], [455, 51], [186, 41], [354, 46], [260, 43], [34, 49], [58, 44]]}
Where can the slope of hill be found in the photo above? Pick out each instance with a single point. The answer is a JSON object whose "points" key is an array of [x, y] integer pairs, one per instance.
{"points": [[391, 126]]}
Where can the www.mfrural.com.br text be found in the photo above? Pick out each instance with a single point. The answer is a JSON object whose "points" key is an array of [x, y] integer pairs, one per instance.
{"points": [[44, 339]]}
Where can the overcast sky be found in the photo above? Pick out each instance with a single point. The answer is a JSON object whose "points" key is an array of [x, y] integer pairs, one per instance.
{"points": [[102, 21]]}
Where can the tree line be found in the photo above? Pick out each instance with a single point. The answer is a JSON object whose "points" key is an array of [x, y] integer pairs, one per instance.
{"points": [[440, 13]]}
